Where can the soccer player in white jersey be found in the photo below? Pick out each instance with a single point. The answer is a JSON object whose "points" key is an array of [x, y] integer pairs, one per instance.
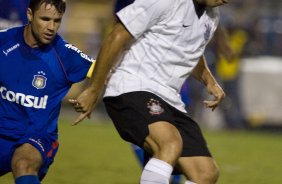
{"points": [[151, 51]]}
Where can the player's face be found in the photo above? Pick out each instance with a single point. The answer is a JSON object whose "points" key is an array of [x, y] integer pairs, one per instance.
{"points": [[213, 3], [44, 24]]}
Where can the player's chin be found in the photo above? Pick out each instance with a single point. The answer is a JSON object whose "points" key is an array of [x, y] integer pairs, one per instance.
{"points": [[46, 41], [215, 3]]}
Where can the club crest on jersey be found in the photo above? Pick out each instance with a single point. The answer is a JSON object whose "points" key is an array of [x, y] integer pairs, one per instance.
{"points": [[39, 80], [154, 107], [207, 32]]}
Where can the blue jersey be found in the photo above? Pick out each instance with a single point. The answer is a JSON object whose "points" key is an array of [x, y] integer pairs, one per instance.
{"points": [[33, 82], [120, 4]]}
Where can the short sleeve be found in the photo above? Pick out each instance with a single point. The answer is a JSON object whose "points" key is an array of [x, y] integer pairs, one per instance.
{"points": [[141, 15], [78, 63], [74, 62]]}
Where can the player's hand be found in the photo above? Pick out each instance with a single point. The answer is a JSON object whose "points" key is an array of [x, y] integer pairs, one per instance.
{"points": [[84, 104], [218, 94]]}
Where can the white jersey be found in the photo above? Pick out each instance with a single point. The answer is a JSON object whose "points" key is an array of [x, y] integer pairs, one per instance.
{"points": [[170, 39]]}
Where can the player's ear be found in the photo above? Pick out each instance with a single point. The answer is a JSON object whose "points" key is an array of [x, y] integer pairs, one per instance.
{"points": [[29, 14]]}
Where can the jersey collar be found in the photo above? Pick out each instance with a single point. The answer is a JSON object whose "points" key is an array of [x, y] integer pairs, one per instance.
{"points": [[200, 9]]}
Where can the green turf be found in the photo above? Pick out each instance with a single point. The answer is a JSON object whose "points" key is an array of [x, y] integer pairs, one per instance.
{"points": [[93, 153], [247, 157]]}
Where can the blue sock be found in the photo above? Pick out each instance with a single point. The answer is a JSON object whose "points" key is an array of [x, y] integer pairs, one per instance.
{"points": [[175, 179], [28, 179], [139, 152]]}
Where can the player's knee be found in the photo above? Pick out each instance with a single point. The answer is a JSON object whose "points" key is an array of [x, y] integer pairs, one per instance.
{"points": [[210, 176], [213, 175], [20, 165], [24, 166]]}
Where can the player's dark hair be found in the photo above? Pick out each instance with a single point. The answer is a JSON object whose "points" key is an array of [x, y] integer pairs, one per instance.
{"points": [[60, 5]]}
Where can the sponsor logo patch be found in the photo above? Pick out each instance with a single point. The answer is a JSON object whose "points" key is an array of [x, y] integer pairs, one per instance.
{"points": [[23, 99], [155, 107]]}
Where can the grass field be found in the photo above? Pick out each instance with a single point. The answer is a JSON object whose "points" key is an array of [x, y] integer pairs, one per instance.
{"points": [[93, 153]]}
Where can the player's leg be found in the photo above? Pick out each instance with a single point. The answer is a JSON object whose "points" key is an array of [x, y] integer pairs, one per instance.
{"points": [[199, 169], [196, 162], [26, 162], [174, 179], [139, 152], [33, 156], [143, 117], [143, 157], [165, 143]]}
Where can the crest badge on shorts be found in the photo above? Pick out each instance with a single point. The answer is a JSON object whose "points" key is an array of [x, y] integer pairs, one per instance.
{"points": [[39, 80], [154, 107]]}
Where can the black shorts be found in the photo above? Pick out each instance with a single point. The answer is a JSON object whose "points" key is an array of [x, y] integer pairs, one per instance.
{"points": [[132, 112]]}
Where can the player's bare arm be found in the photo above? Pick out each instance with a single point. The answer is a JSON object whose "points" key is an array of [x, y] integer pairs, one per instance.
{"points": [[202, 73], [110, 51], [222, 43]]}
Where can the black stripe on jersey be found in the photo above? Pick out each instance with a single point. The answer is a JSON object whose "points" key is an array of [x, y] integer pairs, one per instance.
{"points": [[200, 9]]}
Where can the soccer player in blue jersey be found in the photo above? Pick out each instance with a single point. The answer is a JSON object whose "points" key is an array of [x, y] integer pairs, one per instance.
{"points": [[37, 69]]}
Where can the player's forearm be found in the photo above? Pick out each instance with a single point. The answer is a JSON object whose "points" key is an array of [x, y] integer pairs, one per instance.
{"points": [[202, 73], [109, 54], [105, 61]]}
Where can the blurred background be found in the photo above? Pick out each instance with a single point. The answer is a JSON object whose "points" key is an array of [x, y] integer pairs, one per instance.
{"points": [[251, 80]]}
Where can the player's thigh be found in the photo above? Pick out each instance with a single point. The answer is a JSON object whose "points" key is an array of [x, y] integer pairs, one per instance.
{"points": [[163, 133], [198, 167], [164, 141], [26, 158]]}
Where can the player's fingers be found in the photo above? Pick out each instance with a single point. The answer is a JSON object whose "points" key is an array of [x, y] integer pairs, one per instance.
{"points": [[213, 107], [79, 109], [75, 103], [72, 101], [80, 118], [89, 116], [211, 104]]}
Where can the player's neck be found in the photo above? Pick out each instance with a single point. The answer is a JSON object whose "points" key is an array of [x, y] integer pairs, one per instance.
{"points": [[29, 38]]}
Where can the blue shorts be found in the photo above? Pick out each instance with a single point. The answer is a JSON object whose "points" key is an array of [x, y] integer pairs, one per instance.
{"points": [[46, 144]]}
